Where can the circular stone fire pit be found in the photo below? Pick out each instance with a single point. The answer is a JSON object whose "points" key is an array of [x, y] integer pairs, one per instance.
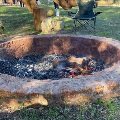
{"points": [[103, 84]]}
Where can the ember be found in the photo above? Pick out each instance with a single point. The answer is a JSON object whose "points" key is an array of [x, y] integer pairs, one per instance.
{"points": [[51, 66]]}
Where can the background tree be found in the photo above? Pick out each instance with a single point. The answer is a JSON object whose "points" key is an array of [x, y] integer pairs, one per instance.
{"points": [[39, 13], [30, 4], [66, 4]]}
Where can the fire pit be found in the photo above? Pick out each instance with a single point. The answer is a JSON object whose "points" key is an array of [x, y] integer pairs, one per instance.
{"points": [[81, 88]]}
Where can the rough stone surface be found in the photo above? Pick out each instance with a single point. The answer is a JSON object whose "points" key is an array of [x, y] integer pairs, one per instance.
{"points": [[49, 25], [103, 84]]}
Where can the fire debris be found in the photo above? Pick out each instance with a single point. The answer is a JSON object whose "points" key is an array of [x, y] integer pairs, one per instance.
{"points": [[51, 66]]}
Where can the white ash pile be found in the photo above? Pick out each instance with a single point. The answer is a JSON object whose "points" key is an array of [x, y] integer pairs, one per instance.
{"points": [[53, 66]]}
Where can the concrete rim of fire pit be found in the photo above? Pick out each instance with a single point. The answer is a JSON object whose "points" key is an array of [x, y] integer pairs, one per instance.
{"points": [[104, 84]]}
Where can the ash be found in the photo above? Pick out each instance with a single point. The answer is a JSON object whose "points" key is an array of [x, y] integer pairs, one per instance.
{"points": [[35, 66], [41, 67]]}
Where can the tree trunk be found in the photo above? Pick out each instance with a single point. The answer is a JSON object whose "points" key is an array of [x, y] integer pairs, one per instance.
{"points": [[30, 4], [39, 15], [66, 4]]}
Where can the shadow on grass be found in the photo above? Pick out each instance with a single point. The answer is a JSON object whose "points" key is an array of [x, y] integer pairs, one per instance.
{"points": [[16, 20]]}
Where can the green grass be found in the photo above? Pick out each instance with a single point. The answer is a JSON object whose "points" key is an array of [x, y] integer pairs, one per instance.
{"points": [[97, 110], [19, 21], [16, 20]]}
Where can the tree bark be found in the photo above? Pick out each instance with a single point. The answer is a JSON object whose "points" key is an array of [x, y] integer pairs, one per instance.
{"points": [[30, 4], [66, 4], [39, 15]]}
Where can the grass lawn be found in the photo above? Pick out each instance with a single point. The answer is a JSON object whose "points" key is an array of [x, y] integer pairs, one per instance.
{"points": [[97, 110], [19, 21]]}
